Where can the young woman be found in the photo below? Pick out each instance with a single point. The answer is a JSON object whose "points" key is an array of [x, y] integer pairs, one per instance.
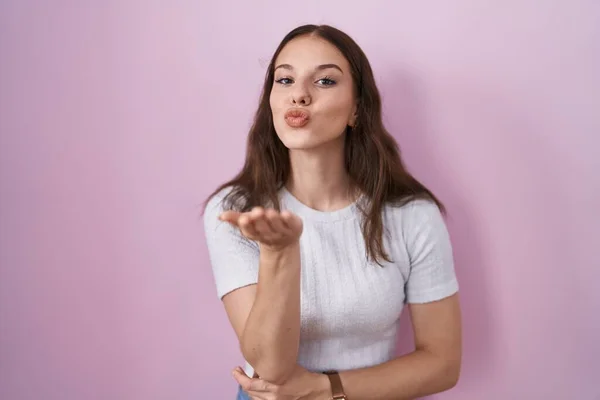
{"points": [[320, 240]]}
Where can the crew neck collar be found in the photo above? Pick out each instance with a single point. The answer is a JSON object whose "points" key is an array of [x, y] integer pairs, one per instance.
{"points": [[302, 210]]}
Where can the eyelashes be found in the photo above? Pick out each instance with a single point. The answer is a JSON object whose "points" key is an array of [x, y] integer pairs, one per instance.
{"points": [[325, 81], [284, 81]]}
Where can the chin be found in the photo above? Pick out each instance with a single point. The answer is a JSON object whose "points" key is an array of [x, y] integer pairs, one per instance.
{"points": [[305, 139], [298, 143]]}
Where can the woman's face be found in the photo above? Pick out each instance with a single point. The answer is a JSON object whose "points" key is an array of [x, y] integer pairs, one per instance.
{"points": [[313, 98]]}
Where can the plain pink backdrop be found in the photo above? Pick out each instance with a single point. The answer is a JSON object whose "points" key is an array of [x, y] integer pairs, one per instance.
{"points": [[117, 118]]}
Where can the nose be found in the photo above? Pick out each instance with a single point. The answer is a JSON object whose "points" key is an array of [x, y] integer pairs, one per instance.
{"points": [[301, 97]]}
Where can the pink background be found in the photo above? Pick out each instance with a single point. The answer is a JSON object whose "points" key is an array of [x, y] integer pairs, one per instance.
{"points": [[118, 118]]}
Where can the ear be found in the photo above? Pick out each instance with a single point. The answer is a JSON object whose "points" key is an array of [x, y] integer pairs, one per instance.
{"points": [[353, 117]]}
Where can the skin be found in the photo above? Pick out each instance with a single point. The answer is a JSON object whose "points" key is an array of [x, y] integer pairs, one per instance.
{"points": [[266, 316], [312, 75], [324, 90]]}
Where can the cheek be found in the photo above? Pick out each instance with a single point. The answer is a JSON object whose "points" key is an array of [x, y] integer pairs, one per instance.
{"points": [[276, 101], [272, 102], [338, 110], [276, 112]]}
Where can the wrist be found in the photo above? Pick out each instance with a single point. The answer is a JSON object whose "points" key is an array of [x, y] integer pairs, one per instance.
{"points": [[278, 254], [321, 387]]}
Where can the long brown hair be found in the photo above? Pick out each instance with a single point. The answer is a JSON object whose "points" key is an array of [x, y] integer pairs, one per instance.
{"points": [[372, 156]]}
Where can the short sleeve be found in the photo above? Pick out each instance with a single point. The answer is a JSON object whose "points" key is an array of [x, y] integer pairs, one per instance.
{"points": [[233, 258], [432, 275]]}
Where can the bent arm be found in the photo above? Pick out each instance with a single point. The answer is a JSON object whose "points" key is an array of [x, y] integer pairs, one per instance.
{"points": [[266, 316], [260, 289], [433, 367], [432, 295]]}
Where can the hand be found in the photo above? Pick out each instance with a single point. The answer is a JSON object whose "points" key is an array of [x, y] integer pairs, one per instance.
{"points": [[273, 230], [302, 385]]}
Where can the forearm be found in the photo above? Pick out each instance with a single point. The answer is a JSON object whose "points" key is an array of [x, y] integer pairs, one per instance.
{"points": [[271, 336], [414, 375]]}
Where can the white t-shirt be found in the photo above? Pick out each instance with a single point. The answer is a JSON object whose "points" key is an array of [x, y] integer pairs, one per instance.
{"points": [[350, 306]]}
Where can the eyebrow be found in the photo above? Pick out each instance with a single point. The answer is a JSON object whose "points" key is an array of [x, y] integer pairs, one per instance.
{"points": [[318, 68]]}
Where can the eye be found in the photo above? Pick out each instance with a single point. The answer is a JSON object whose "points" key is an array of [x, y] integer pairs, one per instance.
{"points": [[326, 81], [284, 81]]}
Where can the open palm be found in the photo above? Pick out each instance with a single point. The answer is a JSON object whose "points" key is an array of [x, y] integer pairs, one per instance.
{"points": [[272, 229]]}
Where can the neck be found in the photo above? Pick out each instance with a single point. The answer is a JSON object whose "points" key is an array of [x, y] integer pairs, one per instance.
{"points": [[319, 179]]}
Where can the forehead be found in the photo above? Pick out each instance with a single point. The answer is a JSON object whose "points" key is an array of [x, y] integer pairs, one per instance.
{"points": [[309, 51]]}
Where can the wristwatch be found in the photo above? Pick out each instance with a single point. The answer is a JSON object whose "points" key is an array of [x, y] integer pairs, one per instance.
{"points": [[337, 391]]}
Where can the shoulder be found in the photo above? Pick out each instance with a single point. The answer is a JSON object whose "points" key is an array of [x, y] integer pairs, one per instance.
{"points": [[420, 224], [415, 214], [215, 206], [216, 230]]}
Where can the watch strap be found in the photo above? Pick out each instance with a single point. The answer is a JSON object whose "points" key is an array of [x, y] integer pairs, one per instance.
{"points": [[337, 390]]}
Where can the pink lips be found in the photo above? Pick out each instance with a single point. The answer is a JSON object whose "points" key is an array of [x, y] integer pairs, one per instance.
{"points": [[296, 118]]}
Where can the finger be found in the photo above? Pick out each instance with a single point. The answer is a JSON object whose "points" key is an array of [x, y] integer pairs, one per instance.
{"points": [[245, 382], [260, 385], [247, 227], [291, 221], [238, 370], [253, 384], [276, 223], [230, 216], [257, 215], [258, 395], [241, 378]]}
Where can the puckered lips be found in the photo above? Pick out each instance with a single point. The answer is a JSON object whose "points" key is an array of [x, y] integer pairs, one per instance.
{"points": [[297, 118]]}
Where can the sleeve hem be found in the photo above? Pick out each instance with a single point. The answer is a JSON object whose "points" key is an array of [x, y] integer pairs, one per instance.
{"points": [[226, 289], [434, 294]]}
